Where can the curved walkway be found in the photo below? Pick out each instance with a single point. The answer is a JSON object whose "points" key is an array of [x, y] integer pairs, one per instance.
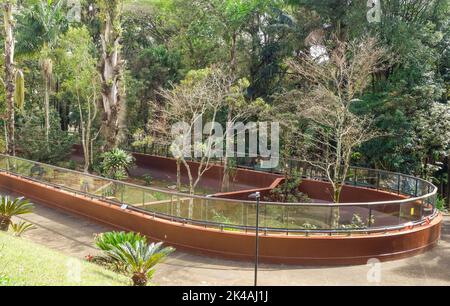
{"points": [[74, 236]]}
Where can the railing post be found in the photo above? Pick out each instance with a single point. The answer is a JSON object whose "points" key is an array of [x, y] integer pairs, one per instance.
{"points": [[399, 183], [378, 180], [370, 217]]}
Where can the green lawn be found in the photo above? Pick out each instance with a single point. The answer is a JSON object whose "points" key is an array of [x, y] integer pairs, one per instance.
{"points": [[23, 263]]}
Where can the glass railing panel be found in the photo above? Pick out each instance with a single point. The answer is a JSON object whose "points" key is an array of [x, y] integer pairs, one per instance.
{"points": [[384, 215], [408, 186], [411, 211], [225, 212], [308, 217], [389, 182], [155, 201], [350, 217]]}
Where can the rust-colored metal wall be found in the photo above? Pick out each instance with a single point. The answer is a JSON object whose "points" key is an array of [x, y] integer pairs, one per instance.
{"points": [[314, 250]]}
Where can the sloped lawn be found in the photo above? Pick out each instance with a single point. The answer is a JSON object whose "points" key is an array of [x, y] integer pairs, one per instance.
{"points": [[23, 263]]}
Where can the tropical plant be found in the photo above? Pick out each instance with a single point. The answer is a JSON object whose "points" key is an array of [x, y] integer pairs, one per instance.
{"points": [[116, 163], [10, 208], [21, 228], [41, 24], [107, 241], [140, 259]]}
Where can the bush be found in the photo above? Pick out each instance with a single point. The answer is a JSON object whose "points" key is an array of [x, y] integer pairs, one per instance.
{"points": [[440, 204], [116, 164], [148, 179], [32, 143]]}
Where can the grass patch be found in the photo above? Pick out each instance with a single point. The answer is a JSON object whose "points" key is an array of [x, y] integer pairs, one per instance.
{"points": [[23, 263]]}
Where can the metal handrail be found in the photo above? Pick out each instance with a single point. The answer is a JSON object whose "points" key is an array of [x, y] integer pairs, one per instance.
{"points": [[431, 187]]}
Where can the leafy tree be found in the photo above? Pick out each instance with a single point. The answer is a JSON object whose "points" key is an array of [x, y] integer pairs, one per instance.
{"points": [[81, 85], [32, 135], [41, 23]]}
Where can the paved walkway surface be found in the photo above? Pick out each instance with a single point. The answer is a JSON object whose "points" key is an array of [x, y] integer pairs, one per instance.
{"points": [[74, 236]]}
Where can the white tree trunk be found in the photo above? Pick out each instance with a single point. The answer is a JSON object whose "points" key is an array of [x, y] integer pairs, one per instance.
{"points": [[10, 84]]}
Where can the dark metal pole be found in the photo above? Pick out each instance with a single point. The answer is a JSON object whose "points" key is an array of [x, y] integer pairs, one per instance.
{"points": [[256, 196]]}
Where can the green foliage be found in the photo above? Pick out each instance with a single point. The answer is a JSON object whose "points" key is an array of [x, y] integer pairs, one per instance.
{"points": [[31, 138], [109, 240], [441, 204], [116, 163], [20, 90], [10, 208], [40, 24]]}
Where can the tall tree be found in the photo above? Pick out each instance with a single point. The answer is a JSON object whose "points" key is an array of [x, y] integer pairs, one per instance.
{"points": [[9, 73], [334, 131], [41, 25], [111, 66]]}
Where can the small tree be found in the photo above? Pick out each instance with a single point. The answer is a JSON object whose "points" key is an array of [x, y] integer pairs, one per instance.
{"points": [[326, 103], [82, 85], [200, 96]]}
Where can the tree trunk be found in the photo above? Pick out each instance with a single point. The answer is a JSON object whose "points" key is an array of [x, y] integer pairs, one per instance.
{"points": [[47, 109], [448, 181], [4, 223], [226, 169], [111, 75], [10, 82], [233, 64], [139, 279], [179, 175]]}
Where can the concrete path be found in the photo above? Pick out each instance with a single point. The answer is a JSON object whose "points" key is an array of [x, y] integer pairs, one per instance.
{"points": [[74, 236]]}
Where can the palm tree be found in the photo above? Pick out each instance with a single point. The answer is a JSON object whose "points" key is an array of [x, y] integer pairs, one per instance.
{"points": [[46, 20], [140, 259], [10, 208]]}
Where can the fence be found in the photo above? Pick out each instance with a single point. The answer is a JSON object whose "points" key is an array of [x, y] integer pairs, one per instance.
{"points": [[290, 218]]}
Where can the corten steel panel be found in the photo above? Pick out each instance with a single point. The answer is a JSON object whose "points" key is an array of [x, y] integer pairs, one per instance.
{"points": [[350, 194], [313, 250]]}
